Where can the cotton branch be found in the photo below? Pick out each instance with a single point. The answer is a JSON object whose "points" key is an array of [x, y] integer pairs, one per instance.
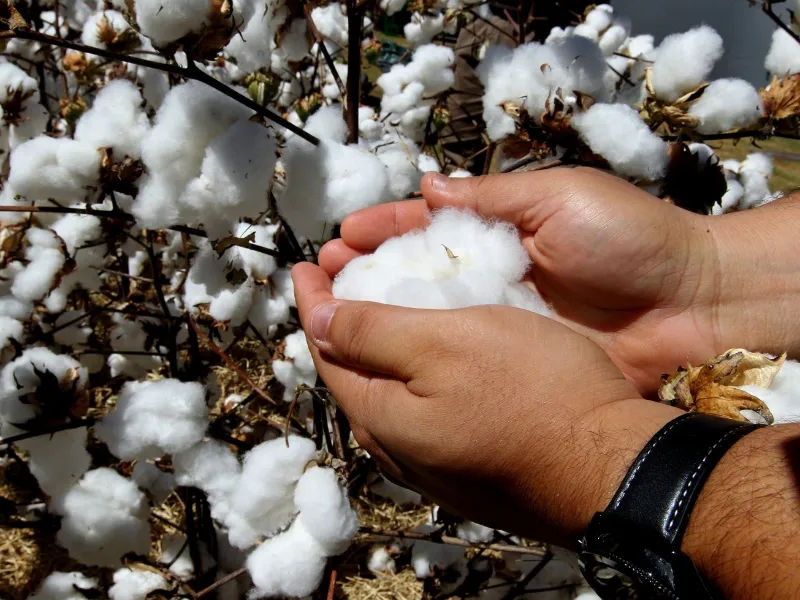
{"points": [[354, 22], [766, 6], [46, 431], [192, 72], [450, 541], [324, 49]]}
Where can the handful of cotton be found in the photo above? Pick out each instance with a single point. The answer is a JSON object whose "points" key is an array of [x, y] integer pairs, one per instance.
{"points": [[459, 260]]}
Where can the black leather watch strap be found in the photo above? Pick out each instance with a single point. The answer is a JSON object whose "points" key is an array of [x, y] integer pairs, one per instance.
{"points": [[661, 487]]}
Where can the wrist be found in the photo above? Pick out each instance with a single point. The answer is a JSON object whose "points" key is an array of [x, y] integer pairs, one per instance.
{"points": [[743, 531], [753, 278]]}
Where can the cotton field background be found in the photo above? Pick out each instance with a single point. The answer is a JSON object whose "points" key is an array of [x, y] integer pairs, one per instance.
{"points": [[166, 162]]}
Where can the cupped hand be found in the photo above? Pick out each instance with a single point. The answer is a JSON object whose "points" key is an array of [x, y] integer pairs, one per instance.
{"points": [[498, 414], [655, 286]]}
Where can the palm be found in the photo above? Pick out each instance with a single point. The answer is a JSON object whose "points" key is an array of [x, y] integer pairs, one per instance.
{"points": [[603, 259]]}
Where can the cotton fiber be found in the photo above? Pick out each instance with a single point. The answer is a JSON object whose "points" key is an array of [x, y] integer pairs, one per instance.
{"points": [[783, 58], [64, 586], [299, 367], [727, 104], [131, 584], [325, 510], [153, 418], [783, 396], [684, 61]]}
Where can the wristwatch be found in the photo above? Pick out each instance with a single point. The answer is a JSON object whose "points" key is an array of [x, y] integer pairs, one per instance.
{"points": [[632, 549]]}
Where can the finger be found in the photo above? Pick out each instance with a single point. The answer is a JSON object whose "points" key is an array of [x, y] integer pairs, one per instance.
{"points": [[334, 255], [368, 228], [373, 337], [524, 199]]}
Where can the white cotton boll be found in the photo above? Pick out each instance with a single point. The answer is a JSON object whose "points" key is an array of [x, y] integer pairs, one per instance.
{"points": [[572, 64], [105, 517], [325, 510], [460, 174], [783, 397], [732, 197], [231, 305], [410, 96], [391, 7], [754, 175], [164, 23], [289, 564], [612, 39], [474, 532], [252, 49], [618, 134], [684, 61], [586, 31], [20, 91], [175, 553], [77, 230], [57, 168], [234, 177], [428, 557], [331, 90], [380, 561], [327, 124], [639, 45], [154, 480], [458, 261], [190, 118], [396, 493], [19, 378], [263, 495], [15, 308], [130, 584], [783, 58], [331, 22], [401, 164], [423, 28], [256, 264], [557, 34], [99, 23], [116, 120], [282, 279], [64, 586], [299, 369], [268, 310], [727, 104], [599, 18], [427, 164], [142, 425], [209, 465], [58, 461], [128, 336], [10, 329]]}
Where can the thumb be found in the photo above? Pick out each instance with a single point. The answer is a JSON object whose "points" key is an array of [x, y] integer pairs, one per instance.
{"points": [[523, 199]]}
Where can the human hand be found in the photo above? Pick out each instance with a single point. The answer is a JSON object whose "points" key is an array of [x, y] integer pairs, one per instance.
{"points": [[498, 414], [655, 286]]}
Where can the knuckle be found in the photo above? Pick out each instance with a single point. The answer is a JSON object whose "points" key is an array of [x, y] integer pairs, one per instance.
{"points": [[358, 331]]}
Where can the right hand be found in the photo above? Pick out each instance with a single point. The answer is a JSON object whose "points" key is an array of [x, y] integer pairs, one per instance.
{"points": [[655, 286]]}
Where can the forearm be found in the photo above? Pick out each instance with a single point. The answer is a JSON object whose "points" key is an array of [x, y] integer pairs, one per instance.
{"points": [[756, 275], [744, 533]]}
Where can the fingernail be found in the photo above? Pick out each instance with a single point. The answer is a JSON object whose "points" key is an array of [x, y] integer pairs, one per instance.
{"points": [[439, 182], [321, 320]]}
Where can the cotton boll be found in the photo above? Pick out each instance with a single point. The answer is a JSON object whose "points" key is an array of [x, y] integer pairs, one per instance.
{"points": [[57, 168], [142, 425], [175, 553], [19, 100], [325, 510], [64, 586], [328, 123], [129, 336], [613, 38], [57, 461], [331, 22], [380, 561], [474, 532], [130, 584], [166, 23], [116, 120], [256, 264], [154, 480], [263, 497], [754, 174], [427, 557], [599, 18], [586, 31], [209, 465], [103, 25], [105, 517], [732, 197], [10, 329], [684, 61], [268, 310], [618, 134], [783, 58], [289, 564], [299, 369], [391, 7], [401, 164], [427, 163], [783, 396], [253, 48], [423, 28], [727, 104]]}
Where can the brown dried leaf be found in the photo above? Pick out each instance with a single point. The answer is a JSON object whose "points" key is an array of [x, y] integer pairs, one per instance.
{"points": [[782, 97], [222, 245]]}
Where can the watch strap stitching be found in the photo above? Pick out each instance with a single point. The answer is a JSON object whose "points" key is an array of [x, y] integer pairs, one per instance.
{"points": [[641, 459], [690, 484]]}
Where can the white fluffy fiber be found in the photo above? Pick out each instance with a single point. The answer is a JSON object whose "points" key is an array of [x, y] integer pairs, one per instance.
{"points": [[57, 168], [617, 133], [421, 29], [298, 368], [263, 503], [152, 418], [130, 584], [154, 480], [783, 396], [166, 22], [325, 510], [684, 61], [104, 517], [45, 261], [783, 58], [32, 117], [64, 586], [99, 21], [331, 22], [415, 270], [289, 564], [727, 104], [531, 74], [10, 329], [57, 462], [116, 120]]}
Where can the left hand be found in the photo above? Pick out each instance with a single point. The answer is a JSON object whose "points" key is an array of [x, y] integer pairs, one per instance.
{"points": [[498, 414]]}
